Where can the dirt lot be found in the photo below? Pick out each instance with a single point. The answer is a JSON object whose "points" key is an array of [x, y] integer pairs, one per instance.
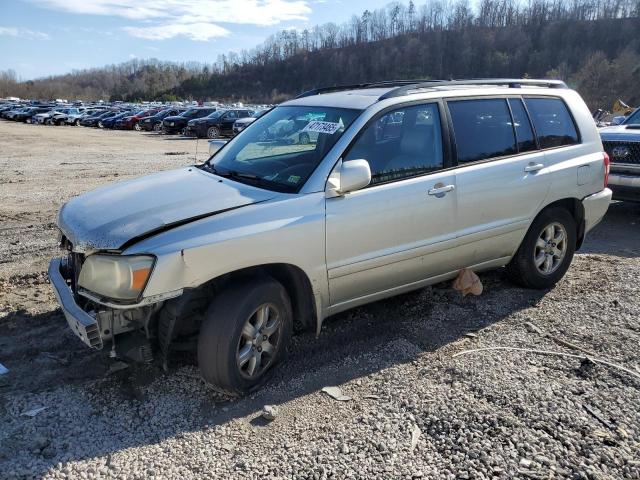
{"points": [[416, 411]]}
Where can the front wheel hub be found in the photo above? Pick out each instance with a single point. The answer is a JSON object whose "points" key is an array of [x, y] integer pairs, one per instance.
{"points": [[259, 341]]}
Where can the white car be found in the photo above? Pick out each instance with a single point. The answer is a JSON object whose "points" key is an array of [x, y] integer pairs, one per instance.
{"points": [[404, 185]]}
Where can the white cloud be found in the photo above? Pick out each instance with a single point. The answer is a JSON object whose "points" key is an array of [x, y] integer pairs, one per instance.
{"points": [[195, 31], [23, 33], [196, 19]]}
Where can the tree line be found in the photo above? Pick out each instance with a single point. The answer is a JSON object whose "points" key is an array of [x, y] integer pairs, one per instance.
{"points": [[592, 44]]}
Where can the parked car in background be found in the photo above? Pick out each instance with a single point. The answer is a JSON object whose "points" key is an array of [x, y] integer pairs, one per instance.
{"points": [[60, 117], [622, 143], [104, 117], [178, 123], [218, 124], [110, 122], [242, 123], [154, 122], [131, 122], [28, 115], [74, 118], [43, 117], [55, 116], [270, 234], [13, 112], [90, 119]]}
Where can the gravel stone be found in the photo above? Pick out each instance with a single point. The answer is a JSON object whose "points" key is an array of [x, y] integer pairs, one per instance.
{"points": [[484, 415]]}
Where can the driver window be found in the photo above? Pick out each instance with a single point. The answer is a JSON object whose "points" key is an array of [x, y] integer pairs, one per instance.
{"points": [[230, 115], [401, 143]]}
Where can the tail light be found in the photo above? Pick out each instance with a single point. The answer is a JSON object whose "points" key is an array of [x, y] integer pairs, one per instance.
{"points": [[607, 168]]}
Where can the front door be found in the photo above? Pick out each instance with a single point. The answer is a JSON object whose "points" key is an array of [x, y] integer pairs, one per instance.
{"points": [[396, 232]]}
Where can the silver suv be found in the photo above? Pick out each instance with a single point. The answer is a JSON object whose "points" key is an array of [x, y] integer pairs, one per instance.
{"points": [[337, 198]]}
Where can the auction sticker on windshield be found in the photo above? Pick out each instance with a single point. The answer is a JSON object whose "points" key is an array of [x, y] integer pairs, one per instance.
{"points": [[322, 127]]}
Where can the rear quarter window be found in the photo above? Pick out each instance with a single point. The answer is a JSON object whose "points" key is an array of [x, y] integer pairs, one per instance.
{"points": [[552, 121]]}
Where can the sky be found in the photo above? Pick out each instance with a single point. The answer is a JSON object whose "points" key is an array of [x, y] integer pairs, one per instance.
{"points": [[39, 38]]}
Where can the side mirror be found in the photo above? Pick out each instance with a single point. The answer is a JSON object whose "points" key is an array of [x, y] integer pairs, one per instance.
{"points": [[353, 175], [215, 145]]}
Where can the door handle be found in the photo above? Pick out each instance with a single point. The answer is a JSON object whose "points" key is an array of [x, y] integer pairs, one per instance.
{"points": [[533, 167], [439, 190]]}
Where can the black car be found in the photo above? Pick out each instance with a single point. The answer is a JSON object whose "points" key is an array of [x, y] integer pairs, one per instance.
{"points": [[178, 124], [110, 122], [96, 120], [218, 124], [154, 122], [87, 120]]}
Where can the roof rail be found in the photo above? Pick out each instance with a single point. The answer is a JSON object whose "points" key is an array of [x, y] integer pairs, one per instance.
{"points": [[359, 86], [508, 82]]}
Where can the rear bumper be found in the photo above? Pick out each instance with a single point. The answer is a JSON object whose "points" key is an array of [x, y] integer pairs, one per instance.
{"points": [[81, 323], [625, 187], [595, 206]]}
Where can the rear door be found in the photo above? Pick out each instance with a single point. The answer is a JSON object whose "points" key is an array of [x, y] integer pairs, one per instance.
{"points": [[397, 231], [501, 176]]}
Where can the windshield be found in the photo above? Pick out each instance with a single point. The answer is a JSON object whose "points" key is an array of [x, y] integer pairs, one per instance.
{"points": [[280, 150], [634, 118]]}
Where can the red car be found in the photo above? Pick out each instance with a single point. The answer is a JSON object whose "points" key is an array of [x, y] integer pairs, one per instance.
{"points": [[131, 122]]}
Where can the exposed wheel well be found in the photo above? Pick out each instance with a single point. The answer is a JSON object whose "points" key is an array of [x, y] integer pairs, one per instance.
{"points": [[294, 280], [576, 209]]}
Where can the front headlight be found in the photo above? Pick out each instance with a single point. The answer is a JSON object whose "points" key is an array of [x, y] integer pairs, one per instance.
{"points": [[115, 276]]}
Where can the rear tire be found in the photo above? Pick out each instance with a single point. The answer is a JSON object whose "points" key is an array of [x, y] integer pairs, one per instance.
{"points": [[77, 122], [244, 334], [545, 254]]}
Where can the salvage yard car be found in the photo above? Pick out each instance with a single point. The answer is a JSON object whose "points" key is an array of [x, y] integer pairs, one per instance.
{"points": [[404, 185], [622, 143], [218, 124], [242, 123], [178, 123]]}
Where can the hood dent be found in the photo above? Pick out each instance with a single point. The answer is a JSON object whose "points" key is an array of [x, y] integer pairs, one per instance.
{"points": [[114, 217]]}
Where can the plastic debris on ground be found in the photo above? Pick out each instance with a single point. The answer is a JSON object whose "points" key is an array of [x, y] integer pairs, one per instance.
{"points": [[33, 412], [467, 282], [336, 394]]}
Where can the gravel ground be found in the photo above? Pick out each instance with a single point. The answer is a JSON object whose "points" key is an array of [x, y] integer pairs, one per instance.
{"points": [[415, 409]]}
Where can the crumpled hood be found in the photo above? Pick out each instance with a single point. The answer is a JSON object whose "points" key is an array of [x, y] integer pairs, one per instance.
{"points": [[110, 216]]}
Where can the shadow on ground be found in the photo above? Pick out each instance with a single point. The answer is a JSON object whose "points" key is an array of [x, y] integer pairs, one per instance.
{"points": [[354, 344]]}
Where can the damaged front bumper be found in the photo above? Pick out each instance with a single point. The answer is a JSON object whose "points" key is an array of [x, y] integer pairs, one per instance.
{"points": [[84, 325]]}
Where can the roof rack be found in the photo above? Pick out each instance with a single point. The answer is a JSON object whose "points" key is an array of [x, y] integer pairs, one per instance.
{"points": [[508, 82], [360, 86], [403, 87]]}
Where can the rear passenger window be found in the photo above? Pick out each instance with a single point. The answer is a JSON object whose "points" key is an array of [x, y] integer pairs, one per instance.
{"points": [[400, 144], [524, 132], [552, 121], [482, 129]]}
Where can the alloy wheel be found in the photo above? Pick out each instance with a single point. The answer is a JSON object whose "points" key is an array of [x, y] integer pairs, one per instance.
{"points": [[259, 341], [550, 248]]}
